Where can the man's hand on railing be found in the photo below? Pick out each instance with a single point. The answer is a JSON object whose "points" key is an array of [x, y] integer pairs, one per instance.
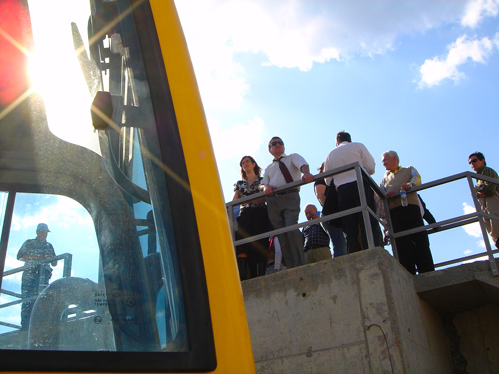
{"points": [[307, 177], [268, 189]]}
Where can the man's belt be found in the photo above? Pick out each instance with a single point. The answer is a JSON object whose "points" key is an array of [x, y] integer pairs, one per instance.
{"points": [[285, 192], [311, 249]]}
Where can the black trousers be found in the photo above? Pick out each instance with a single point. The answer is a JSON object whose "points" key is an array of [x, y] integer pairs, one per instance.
{"points": [[253, 221], [34, 281], [413, 250], [348, 197]]}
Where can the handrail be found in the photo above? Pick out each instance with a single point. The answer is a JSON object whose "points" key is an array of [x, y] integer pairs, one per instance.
{"points": [[363, 176], [66, 272]]}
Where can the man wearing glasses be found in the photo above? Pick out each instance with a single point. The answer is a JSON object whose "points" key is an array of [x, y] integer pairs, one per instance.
{"points": [[284, 207], [488, 193]]}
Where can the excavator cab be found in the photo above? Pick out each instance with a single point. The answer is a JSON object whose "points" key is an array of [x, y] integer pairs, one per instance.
{"points": [[89, 144]]}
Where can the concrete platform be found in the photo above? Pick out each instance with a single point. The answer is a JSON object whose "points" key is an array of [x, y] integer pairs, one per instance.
{"points": [[359, 313], [459, 288]]}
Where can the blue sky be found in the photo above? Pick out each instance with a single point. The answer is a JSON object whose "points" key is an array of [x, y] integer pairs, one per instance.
{"points": [[418, 77], [71, 231]]}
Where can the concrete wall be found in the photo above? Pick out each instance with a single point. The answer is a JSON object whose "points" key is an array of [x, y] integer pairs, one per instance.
{"points": [[467, 298], [354, 314], [477, 333]]}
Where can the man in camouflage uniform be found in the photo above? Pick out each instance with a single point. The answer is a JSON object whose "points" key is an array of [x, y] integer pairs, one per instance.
{"points": [[36, 277]]}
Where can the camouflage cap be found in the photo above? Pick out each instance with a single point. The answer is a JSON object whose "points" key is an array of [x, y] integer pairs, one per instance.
{"points": [[42, 227]]}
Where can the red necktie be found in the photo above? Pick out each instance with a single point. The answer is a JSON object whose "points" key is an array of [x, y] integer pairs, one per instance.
{"points": [[284, 171]]}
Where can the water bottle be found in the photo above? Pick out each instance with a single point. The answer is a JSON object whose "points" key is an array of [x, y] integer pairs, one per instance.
{"points": [[403, 197]]}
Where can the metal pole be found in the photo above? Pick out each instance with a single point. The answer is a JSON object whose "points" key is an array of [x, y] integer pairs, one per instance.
{"points": [[230, 212], [9, 211], [492, 261], [363, 204], [390, 228], [68, 263]]}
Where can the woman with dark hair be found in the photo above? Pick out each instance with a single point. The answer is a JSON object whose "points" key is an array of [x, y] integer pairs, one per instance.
{"points": [[252, 220]]}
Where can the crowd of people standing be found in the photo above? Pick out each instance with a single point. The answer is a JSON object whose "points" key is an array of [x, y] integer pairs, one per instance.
{"points": [[278, 208]]}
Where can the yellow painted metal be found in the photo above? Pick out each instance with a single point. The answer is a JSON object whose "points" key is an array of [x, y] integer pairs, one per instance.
{"points": [[230, 328], [232, 339]]}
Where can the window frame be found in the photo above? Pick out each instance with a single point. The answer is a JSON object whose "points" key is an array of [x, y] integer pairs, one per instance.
{"points": [[201, 354]]}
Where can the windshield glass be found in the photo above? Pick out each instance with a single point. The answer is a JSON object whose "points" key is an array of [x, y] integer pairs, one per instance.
{"points": [[88, 245]]}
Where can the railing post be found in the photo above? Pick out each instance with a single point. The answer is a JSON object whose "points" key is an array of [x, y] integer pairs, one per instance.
{"points": [[363, 204], [9, 211], [230, 212], [68, 263], [478, 208], [390, 229]]}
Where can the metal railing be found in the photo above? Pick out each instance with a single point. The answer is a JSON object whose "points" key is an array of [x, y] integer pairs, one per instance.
{"points": [[66, 272], [386, 223]]}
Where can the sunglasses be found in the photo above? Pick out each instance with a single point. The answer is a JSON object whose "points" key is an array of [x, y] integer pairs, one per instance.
{"points": [[472, 161], [277, 142]]}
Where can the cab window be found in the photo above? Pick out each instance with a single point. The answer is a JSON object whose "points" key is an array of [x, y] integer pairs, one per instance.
{"points": [[100, 249]]}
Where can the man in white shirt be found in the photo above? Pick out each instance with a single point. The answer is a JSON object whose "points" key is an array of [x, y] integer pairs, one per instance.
{"points": [[284, 207], [345, 183]]}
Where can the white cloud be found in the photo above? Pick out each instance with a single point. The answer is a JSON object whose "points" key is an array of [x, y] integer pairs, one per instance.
{"points": [[11, 314], [483, 258], [477, 9], [480, 244], [295, 33], [468, 209], [61, 210], [473, 229], [437, 69], [282, 34], [11, 262], [237, 140]]}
